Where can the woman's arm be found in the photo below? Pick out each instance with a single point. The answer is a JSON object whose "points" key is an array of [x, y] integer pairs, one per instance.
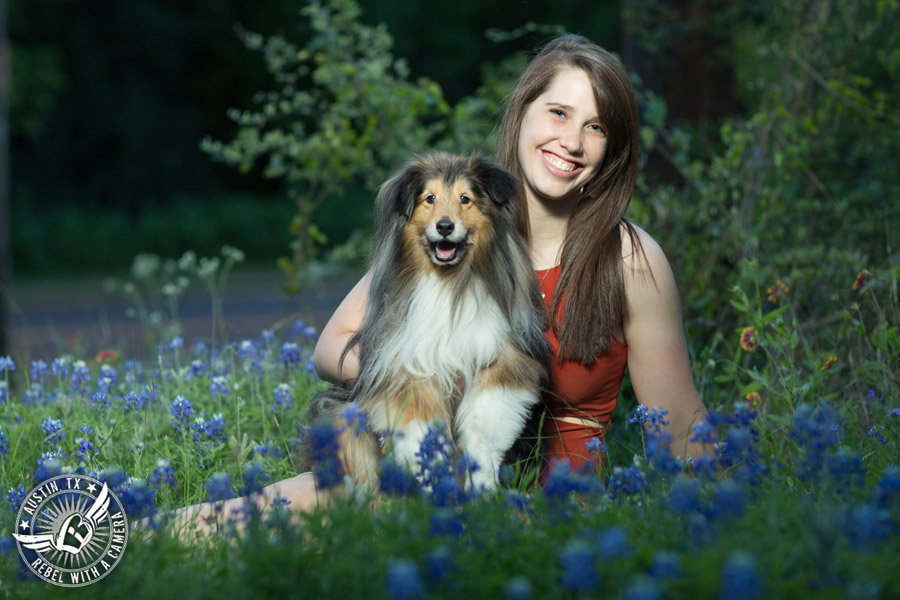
{"points": [[658, 362], [342, 326]]}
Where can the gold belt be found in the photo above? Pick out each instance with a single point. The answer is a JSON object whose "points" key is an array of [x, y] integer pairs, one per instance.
{"points": [[582, 422]]}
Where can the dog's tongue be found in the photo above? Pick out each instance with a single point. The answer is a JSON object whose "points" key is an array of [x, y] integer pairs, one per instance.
{"points": [[446, 250]]}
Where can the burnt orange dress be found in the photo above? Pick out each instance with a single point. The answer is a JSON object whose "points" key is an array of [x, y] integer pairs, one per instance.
{"points": [[579, 397]]}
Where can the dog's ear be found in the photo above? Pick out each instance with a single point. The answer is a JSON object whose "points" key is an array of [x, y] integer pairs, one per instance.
{"points": [[397, 196], [500, 185]]}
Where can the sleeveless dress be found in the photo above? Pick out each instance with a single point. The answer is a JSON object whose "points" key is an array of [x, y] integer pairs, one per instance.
{"points": [[579, 397]]}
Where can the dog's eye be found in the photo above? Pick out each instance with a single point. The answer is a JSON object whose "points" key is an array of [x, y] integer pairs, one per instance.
{"points": [[464, 199], [429, 198]]}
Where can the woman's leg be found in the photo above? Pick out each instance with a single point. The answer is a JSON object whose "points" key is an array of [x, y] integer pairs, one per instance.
{"points": [[299, 491]]}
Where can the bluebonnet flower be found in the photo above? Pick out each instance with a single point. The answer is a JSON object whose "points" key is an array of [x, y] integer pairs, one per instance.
{"points": [[866, 525], [211, 431], [107, 378], [138, 499], [403, 580], [656, 419], [626, 481], [197, 369], [658, 452], [579, 569], [267, 337], [440, 563], [703, 433], [7, 364], [267, 449], [163, 474], [218, 487], [60, 367], [394, 480], [283, 398], [310, 366], [16, 497], [34, 395], [219, 386], [134, 372], [355, 419], [323, 445], [85, 449], [705, 467], [182, 412], [54, 432], [888, 490], [517, 499], [290, 355], [86, 429], [740, 578], [846, 471], [49, 465], [4, 392], [434, 467], [639, 415], [613, 543], [177, 343], [728, 499], [198, 348], [874, 433], [595, 446], [666, 564], [684, 496], [254, 477], [642, 588], [562, 481], [518, 588], [306, 331], [100, 400], [4, 443], [39, 370], [80, 375], [816, 430], [444, 521], [114, 477], [248, 349], [138, 400]]}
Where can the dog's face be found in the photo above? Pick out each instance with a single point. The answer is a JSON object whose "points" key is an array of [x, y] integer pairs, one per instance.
{"points": [[447, 207]]}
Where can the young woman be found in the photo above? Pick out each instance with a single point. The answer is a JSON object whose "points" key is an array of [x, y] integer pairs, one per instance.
{"points": [[570, 133]]}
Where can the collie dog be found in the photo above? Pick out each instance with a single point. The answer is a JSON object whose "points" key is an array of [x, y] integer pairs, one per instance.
{"points": [[454, 326]]}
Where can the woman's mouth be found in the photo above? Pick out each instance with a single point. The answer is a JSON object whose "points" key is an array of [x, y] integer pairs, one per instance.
{"points": [[558, 164]]}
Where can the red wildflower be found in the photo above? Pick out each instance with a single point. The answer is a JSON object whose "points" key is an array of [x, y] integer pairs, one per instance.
{"points": [[105, 357], [777, 291], [749, 339], [752, 399], [860, 279]]}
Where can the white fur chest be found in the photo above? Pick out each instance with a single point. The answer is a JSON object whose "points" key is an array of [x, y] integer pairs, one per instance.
{"points": [[438, 341]]}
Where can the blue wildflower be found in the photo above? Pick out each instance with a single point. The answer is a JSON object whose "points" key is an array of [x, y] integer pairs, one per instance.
{"points": [[283, 397], [517, 499], [182, 412], [138, 498], [656, 419], [39, 370], [579, 569], [562, 481], [85, 449], [394, 480], [595, 446], [34, 395], [290, 355], [305, 331], [211, 431], [49, 465], [4, 392], [107, 378], [684, 496], [666, 564], [355, 419], [59, 368], [642, 588], [16, 497], [445, 521], [100, 400], [613, 543], [888, 490], [163, 474], [54, 432], [845, 468], [219, 386], [218, 487], [874, 433], [440, 563], [867, 524], [728, 499], [740, 578], [639, 415], [114, 477], [7, 364], [403, 580], [626, 481], [324, 446], [197, 368], [4, 443], [177, 343], [703, 433], [659, 455], [80, 375], [267, 449], [254, 477], [705, 467], [134, 372]]}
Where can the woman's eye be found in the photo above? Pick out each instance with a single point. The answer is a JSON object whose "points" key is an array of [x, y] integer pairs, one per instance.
{"points": [[429, 198], [464, 199], [558, 112], [597, 128]]}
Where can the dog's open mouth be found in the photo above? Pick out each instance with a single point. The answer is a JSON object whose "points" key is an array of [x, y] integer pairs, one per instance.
{"points": [[446, 252]]}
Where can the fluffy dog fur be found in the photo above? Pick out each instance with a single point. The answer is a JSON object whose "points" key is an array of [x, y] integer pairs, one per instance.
{"points": [[453, 328]]}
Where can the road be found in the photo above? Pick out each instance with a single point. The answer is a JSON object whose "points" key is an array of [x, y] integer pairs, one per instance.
{"points": [[50, 318]]}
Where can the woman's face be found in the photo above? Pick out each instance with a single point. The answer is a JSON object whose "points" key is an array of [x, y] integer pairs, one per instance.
{"points": [[561, 141]]}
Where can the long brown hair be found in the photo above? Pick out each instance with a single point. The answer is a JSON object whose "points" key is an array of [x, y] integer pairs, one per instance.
{"points": [[591, 281]]}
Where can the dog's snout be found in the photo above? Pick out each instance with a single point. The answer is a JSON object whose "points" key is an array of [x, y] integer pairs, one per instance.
{"points": [[444, 227]]}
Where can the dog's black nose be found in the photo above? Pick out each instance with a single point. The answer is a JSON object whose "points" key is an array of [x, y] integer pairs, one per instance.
{"points": [[444, 227]]}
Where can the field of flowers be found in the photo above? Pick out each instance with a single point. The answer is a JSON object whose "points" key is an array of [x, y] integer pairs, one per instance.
{"points": [[802, 498]]}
